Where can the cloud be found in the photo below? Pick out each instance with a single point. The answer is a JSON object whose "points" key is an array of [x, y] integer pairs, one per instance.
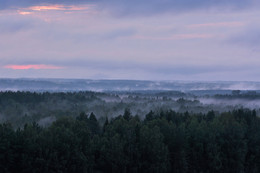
{"points": [[30, 66], [47, 7], [144, 7], [249, 38], [25, 12], [4, 4], [12, 24], [119, 33], [162, 68], [218, 24], [104, 46], [58, 7], [136, 7], [175, 37]]}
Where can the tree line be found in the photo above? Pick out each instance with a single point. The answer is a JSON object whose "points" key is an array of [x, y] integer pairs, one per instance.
{"points": [[161, 142]]}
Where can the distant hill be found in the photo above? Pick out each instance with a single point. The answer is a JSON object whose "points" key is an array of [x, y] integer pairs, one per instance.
{"points": [[54, 85]]}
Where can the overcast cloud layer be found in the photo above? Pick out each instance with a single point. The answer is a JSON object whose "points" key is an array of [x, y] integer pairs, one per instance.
{"points": [[137, 39]]}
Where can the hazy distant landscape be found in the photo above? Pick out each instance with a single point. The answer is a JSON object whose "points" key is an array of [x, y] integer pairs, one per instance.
{"points": [[45, 100], [129, 86], [59, 85]]}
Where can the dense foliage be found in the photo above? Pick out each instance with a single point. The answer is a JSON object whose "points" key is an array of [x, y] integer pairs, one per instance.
{"points": [[162, 142]]}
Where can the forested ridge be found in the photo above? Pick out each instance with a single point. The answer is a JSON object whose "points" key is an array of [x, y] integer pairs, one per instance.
{"points": [[168, 141]]}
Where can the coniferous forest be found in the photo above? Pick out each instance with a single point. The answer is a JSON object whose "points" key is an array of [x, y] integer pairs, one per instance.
{"points": [[158, 141], [165, 142]]}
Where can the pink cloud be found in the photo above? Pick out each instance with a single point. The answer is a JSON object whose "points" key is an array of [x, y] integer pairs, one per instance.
{"points": [[64, 8], [47, 7], [30, 66], [218, 24], [59, 7], [175, 37], [192, 36], [25, 12]]}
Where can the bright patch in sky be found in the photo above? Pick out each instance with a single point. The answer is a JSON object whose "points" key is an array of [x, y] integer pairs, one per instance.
{"points": [[25, 12], [50, 7], [36, 67], [57, 7]]}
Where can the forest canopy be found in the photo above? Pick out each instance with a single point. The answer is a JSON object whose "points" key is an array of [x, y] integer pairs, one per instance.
{"points": [[59, 132], [165, 142]]}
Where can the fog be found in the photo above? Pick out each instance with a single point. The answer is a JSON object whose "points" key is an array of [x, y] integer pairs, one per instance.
{"points": [[44, 107], [245, 103], [44, 122]]}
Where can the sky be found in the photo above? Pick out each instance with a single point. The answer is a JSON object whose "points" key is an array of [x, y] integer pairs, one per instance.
{"points": [[202, 40]]}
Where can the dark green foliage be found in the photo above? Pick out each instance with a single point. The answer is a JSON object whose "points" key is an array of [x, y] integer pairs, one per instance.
{"points": [[150, 116], [127, 114], [163, 142], [93, 124]]}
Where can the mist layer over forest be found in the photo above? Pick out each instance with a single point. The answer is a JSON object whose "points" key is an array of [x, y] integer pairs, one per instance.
{"points": [[45, 107], [64, 128]]}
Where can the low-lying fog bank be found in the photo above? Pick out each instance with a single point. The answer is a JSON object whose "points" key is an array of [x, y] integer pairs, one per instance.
{"points": [[45, 107]]}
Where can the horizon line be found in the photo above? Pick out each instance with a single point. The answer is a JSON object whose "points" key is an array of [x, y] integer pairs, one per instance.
{"points": [[121, 79]]}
